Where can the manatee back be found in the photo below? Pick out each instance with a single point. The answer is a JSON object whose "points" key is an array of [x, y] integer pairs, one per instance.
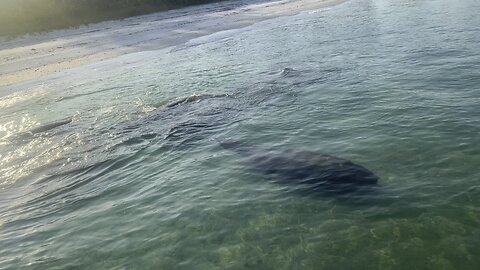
{"points": [[311, 171], [322, 169]]}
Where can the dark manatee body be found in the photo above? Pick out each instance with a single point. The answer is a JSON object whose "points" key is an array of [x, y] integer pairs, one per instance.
{"points": [[192, 98], [307, 171]]}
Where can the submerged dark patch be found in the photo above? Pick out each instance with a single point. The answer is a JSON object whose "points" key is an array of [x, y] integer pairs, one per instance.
{"points": [[307, 171]]}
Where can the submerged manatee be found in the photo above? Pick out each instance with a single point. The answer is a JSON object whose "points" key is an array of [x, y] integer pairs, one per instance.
{"points": [[309, 172], [196, 119], [187, 121], [50, 126], [192, 98]]}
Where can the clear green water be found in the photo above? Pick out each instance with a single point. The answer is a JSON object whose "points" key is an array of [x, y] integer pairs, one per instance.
{"points": [[129, 184]]}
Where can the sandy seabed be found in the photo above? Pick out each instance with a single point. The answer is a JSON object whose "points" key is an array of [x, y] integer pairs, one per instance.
{"points": [[31, 57]]}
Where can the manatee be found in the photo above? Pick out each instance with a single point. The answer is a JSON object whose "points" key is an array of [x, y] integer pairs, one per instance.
{"points": [[50, 126], [186, 121], [192, 98], [307, 171], [195, 117], [27, 136]]}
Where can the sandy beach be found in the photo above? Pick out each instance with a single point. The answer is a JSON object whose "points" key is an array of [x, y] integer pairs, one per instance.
{"points": [[34, 56]]}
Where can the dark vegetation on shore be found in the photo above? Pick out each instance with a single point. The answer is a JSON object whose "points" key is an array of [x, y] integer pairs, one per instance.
{"points": [[26, 16]]}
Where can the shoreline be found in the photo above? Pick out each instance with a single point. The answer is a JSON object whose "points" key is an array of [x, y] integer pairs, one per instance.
{"points": [[34, 56]]}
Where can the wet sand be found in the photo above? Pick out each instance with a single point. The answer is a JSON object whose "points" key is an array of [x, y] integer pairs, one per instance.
{"points": [[33, 56]]}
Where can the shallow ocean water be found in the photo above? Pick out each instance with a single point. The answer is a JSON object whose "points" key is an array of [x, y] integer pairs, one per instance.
{"points": [[97, 173]]}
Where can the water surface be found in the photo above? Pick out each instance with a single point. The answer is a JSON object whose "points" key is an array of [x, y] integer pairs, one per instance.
{"points": [[97, 173]]}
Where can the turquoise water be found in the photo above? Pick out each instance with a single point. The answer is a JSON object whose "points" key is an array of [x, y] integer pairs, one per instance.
{"points": [[97, 173]]}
